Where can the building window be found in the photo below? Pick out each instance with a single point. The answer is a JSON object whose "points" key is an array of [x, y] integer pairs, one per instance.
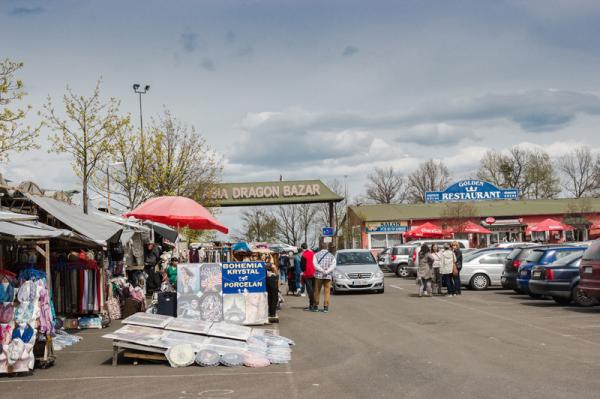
{"points": [[384, 240]]}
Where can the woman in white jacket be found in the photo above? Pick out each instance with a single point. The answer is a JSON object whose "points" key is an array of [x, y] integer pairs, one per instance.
{"points": [[437, 263], [447, 265]]}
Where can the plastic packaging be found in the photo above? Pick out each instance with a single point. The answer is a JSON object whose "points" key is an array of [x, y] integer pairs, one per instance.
{"points": [[232, 359], [207, 358]]}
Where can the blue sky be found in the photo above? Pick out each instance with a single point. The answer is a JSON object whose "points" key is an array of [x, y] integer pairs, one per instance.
{"points": [[322, 89]]}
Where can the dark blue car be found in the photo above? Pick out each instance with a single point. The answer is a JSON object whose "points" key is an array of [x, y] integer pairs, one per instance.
{"points": [[540, 257], [560, 280]]}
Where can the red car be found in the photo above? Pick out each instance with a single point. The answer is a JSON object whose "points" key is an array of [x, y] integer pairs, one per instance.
{"points": [[589, 271]]}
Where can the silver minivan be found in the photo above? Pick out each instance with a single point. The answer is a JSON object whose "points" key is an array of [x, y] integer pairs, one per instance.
{"points": [[398, 260], [356, 270]]}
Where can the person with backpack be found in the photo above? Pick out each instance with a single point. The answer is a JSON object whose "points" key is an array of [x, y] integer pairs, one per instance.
{"points": [[325, 263], [308, 275]]}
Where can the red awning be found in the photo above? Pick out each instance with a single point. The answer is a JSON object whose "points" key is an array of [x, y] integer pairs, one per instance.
{"points": [[427, 230], [473, 228], [595, 226], [178, 212], [549, 225]]}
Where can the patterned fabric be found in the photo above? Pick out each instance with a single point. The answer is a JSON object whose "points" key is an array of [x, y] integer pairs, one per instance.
{"points": [[27, 292], [7, 292], [7, 312], [324, 265]]}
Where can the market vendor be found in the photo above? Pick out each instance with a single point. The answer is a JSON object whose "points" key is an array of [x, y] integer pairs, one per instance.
{"points": [[172, 271]]}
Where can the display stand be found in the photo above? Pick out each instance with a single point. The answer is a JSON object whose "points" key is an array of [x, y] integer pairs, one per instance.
{"points": [[156, 353]]}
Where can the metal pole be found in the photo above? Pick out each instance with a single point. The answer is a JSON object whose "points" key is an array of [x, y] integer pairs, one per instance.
{"points": [[108, 187], [141, 118]]}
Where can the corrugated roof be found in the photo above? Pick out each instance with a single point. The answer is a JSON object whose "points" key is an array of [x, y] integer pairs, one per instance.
{"points": [[91, 226], [23, 230], [562, 206]]}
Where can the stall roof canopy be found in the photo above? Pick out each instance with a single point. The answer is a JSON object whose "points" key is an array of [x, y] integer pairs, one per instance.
{"points": [[272, 193], [507, 208], [29, 230], [6, 216], [92, 226]]}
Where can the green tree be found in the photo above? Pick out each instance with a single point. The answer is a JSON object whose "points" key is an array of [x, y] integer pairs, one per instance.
{"points": [[86, 131], [14, 135], [178, 161]]}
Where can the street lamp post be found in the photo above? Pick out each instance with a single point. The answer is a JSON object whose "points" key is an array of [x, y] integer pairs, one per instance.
{"points": [[108, 165], [137, 89]]}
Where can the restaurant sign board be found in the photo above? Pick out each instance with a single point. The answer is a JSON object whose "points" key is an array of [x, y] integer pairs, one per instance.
{"points": [[472, 190], [386, 227]]}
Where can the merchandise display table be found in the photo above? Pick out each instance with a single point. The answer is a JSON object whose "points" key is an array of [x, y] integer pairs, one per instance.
{"points": [[119, 345]]}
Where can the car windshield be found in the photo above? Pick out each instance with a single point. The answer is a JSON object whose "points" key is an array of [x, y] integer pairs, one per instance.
{"points": [[472, 255], [593, 252], [514, 253], [354, 258]]}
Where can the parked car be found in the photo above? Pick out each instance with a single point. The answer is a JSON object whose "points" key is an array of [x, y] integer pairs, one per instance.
{"points": [[560, 280], [383, 259], [511, 267], [513, 244], [482, 269], [398, 262], [589, 271], [357, 270], [541, 256], [413, 256]]}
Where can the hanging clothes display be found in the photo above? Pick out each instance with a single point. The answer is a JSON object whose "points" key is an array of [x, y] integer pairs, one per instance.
{"points": [[76, 287]]}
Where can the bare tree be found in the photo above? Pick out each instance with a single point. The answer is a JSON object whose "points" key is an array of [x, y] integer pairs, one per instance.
{"points": [[126, 176], [13, 135], [385, 186], [580, 172], [529, 171], [258, 225], [457, 214], [541, 176], [431, 175], [87, 131], [322, 216], [179, 161], [307, 216], [288, 224]]}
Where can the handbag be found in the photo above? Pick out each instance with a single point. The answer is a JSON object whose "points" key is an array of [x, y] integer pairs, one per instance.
{"points": [[454, 269]]}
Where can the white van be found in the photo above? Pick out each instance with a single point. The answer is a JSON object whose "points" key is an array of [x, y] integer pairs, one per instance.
{"points": [[413, 256]]}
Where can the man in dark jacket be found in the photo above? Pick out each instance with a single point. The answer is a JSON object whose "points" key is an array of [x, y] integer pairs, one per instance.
{"points": [[459, 260], [308, 275]]}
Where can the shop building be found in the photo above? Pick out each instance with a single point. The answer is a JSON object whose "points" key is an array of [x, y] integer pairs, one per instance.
{"points": [[379, 226]]}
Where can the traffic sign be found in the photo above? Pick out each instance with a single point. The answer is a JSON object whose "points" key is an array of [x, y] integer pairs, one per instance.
{"points": [[327, 232]]}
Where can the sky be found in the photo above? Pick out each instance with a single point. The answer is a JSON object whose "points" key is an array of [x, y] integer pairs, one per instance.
{"points": [[320, 89]]}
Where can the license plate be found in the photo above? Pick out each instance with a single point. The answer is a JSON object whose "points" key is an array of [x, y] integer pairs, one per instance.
{"points": [[524, 273], [587, 270], [537, 274], [360, 282]]}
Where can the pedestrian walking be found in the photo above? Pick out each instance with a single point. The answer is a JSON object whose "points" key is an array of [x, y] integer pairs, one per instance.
{"points": [[291, 275], [447, 266], [325, 263], [437, 263], [284, 264], [272, 287], [456, 272], [308, 275], [425, 271], [298, 271]]}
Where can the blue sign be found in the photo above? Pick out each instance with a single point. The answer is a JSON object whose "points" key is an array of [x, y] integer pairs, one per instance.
{"points": [[472, 190], [239, 277], [327, 232]]}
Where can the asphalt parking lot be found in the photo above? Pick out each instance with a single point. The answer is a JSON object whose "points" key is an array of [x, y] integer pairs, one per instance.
{"points": [[492, 344]]}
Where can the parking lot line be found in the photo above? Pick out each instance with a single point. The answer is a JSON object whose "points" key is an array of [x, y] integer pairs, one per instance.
{"points": [[125, 377], [396, 287]]}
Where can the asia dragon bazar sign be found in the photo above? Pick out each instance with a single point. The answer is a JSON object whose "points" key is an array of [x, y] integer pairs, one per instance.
{"points": [[272, 193], [472, 190]]}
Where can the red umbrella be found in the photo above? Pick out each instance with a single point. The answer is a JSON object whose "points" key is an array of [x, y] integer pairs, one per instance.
{"points": [[549, 225], [471, 227], [179, 212], [426, 230]]}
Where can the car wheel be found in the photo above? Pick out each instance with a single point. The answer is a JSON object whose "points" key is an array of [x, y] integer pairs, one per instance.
{"points": [[561, 301], [479, 282], [402, 271], [582, 299], [534, 296]]}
